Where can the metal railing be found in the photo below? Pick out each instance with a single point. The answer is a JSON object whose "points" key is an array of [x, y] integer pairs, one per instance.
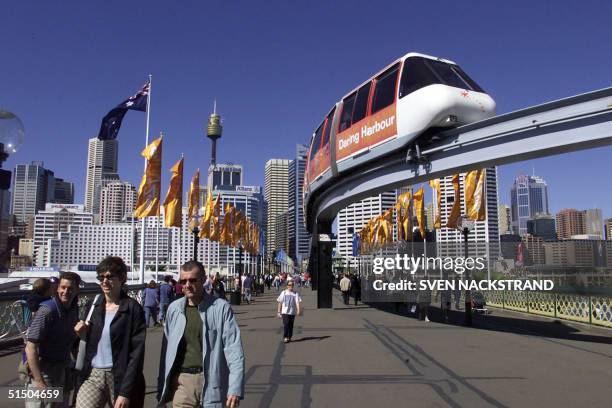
{"points": [[593, 308], [15, 315]]}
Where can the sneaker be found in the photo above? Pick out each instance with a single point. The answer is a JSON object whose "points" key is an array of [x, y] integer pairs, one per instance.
{"points": [[426, 318], [285, 340]]}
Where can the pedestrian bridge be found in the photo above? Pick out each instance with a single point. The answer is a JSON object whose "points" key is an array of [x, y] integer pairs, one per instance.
{"points": [[364, 356]]}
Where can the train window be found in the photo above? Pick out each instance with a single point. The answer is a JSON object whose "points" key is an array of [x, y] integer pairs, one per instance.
{"points": [[328, 124], [415, 75], [466, 78], [347, 112], [447, 75], [316, 143], [361, 103], [384, 91]]}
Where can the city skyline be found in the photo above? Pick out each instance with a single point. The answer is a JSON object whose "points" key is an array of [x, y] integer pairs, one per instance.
{"points": [[81, 84]]}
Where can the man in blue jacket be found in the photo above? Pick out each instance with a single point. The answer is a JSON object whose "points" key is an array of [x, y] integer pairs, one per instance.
{"points": [[202, 363]]}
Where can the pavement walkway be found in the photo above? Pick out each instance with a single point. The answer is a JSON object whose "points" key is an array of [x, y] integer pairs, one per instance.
{"points": [[362, 356]]}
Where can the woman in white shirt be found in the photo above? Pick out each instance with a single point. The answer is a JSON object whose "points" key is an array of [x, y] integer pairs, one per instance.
{"points": [[288, 307]]}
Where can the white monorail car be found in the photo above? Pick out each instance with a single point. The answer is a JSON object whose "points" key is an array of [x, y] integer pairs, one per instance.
{"points": [[390, 111]]}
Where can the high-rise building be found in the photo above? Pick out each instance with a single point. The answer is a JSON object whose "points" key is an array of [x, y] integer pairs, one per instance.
{"points": [[57, 218], [483, 239], [505, 219], [63, 192], [224, 176], [593, 222], [282, 236], [528, 196], [354, 217], [543, 226], [608, 229], [117, 201], [33, 187], [299, 238], [276, 197], [570, 222], [102, 159]]}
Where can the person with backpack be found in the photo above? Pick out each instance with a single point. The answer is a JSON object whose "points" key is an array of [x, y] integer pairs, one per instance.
{"points": [[50, 340]]}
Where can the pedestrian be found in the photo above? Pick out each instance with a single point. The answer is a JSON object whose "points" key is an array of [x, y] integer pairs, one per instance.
{"points": [[355, 289], [276, 282], [219, 287], [178, 289], [288, 307], [50, 339], [41, 291], [166, 296], [202, 356], [151, 302], [113, 366], [247, 287], [345, 286]]}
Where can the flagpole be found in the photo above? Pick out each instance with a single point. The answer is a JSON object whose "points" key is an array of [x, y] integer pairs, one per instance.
{"points": [[142, 232]]}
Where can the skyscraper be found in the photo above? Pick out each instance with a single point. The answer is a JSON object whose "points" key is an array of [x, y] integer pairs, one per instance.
{"points": [[224, 176], [608, 229], [33, 186], [505, 220], [63, 192], [528, 196], [276, 197], [593, 222], [299, 238], [570, 222], [117, 201], [102, 158]]}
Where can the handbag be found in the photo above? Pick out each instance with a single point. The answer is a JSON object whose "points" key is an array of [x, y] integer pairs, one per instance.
{"points": [[80, 360]]}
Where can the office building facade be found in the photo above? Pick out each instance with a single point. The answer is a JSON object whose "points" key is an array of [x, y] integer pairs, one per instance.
{"points": [[102, 160], [276, 197]]}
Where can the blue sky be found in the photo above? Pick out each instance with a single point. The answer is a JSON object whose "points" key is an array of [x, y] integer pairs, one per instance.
{"points": [[275, 68]]}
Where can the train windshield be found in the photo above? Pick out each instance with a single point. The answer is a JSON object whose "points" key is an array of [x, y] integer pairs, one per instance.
{"points": [[420, 72]]}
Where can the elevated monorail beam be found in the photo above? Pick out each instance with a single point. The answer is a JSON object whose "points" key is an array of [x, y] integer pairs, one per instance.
{"points": [[576, 123]]}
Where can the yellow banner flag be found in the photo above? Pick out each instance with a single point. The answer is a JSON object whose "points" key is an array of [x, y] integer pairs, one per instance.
{"points": [[194, 199], [403, 217], [453, 217], [205, 222], [173, 204], [147, 204], [228, 225], [215, 226], [419, 208], [435, 185], [474, 195]]}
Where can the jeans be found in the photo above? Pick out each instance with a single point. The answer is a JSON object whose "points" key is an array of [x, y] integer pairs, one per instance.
{"points": [[54, 374], [247, 295], [288, 325], [150, 311], [163, 307]]}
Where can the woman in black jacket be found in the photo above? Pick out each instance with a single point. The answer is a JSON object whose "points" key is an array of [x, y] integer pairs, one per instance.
{"points": [[115, 351]]}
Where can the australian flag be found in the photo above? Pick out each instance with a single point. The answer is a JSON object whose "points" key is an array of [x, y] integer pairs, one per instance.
{"points": [[112, 121]]}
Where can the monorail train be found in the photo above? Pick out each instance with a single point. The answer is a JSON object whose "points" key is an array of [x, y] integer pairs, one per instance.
{"points": [[389, 111]]}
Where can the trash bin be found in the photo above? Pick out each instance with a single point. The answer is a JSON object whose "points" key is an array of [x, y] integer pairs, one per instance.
{"points": [[235, 298]]}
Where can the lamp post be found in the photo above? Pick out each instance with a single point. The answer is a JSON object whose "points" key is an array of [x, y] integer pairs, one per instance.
{"points": [[465, 225], [196, 241]]}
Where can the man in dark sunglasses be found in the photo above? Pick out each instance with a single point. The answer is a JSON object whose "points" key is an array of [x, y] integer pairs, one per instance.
{"points": [[200, 332]]}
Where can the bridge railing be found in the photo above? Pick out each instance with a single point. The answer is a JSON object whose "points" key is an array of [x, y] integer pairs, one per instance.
{"points": [[586, 308], [15, 314]]}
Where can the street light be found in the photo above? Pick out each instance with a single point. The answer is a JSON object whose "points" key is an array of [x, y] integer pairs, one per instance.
{"points": [[465, 225]]}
